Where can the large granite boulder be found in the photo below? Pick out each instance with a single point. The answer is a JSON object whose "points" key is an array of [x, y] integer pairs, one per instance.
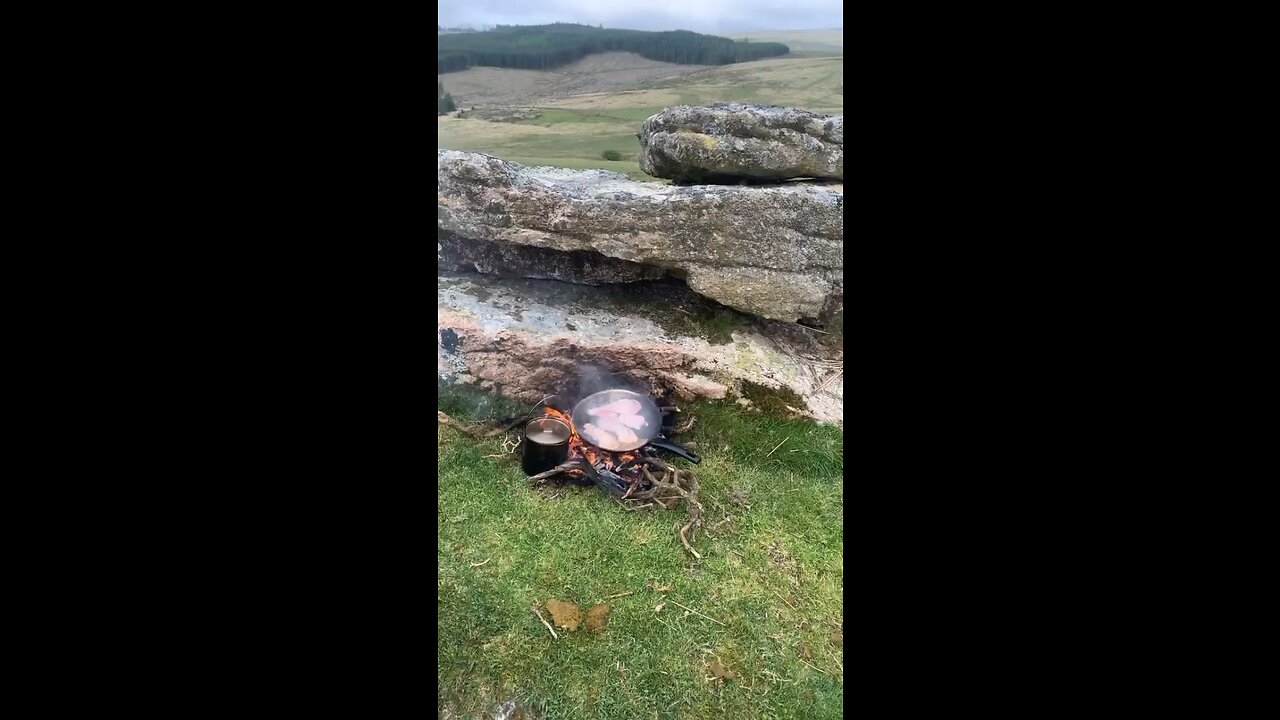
{"points": [[777, 252], [529, 338], [730, 142]]}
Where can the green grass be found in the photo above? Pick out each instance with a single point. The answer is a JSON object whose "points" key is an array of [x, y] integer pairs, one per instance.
{"points": [[578, 152], [574, 131], [582, 547], [551, 116]]}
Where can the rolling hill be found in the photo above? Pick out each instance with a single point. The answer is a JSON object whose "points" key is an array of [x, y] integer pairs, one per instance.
{"points": [[574, 129], [803, 43], [541, 47]]}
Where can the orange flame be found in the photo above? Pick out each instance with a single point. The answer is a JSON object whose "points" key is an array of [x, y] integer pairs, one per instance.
{"points": [[578, 448]]}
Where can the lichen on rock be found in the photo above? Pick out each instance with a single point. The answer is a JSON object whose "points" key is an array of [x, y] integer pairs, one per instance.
{"points": [[776, 252], [728, 142]]}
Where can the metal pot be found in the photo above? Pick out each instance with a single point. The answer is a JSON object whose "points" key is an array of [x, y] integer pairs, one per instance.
{"points": [[546, 445]]}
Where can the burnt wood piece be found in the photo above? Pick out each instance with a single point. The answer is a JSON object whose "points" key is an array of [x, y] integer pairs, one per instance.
{"points": [[611, 482]]}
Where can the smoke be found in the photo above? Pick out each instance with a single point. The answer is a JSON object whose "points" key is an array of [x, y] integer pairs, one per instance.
{"points": [[593, 379], [589, 378]]}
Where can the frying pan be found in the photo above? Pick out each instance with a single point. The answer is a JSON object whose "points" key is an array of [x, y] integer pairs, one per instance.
{"points": [[649, 434], [648, 410]]}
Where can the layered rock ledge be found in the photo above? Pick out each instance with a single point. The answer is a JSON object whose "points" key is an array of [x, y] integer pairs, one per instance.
{"points": [[526, 338], [776, 252], [728, 142]]}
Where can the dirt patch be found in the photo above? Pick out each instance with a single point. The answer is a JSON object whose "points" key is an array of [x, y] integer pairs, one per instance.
{"points": [[564, 614], [598, 618], [785, 562], [721, 672]]}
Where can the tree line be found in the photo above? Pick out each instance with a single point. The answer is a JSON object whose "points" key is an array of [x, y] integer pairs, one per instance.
{"points": [[539, 47], [444, 101]]}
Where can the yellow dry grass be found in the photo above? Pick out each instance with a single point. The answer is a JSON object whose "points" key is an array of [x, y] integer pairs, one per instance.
{"points": [[827, 42]]}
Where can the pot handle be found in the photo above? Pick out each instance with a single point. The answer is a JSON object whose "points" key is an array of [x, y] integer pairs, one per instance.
{"points": [[682, 451]]}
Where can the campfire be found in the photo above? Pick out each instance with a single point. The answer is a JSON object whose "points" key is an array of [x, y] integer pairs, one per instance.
{"points": [[620, 471], [638, 479]]}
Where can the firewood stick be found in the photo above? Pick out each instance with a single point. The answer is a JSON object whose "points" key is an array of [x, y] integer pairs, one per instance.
{"points": [[685, 541], [553, 471], [544, 622]]}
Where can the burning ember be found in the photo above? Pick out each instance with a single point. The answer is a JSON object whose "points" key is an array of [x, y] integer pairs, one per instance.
{"points": [[612, 465], [614, 462]]}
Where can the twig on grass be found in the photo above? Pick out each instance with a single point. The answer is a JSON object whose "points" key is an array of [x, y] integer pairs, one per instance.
{"points": [[685, 541], [486, 561], [544, 622], [513, 442], [815, 667], [775, 447], [695, 612], [788, 602]]}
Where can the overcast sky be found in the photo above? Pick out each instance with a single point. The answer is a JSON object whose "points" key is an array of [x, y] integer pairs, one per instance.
{"points": [[710, 16]]}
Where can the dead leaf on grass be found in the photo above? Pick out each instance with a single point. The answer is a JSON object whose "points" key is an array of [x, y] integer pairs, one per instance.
{"points": [[738, 497], [804, 652], [720, 672], [664, 588], [564, 614], [837, 638], [598, 618], [658, 608]]}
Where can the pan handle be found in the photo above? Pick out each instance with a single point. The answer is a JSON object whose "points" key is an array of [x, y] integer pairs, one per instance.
{"points": [[682, 451]]}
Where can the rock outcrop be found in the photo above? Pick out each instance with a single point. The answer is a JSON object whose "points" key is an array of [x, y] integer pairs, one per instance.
{"points": [[527, 338], [578, 266], [729, 142], [776, 252]]}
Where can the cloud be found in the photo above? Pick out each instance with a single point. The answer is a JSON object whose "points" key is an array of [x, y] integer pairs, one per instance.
{"points": [[698, 15]]}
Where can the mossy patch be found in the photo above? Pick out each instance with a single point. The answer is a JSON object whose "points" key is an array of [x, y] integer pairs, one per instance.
{"points": [[772, 401], [715, 325]]}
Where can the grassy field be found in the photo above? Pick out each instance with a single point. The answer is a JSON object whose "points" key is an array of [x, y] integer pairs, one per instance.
{"points": [[771, 579], [574, 131], [803, 43]]}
